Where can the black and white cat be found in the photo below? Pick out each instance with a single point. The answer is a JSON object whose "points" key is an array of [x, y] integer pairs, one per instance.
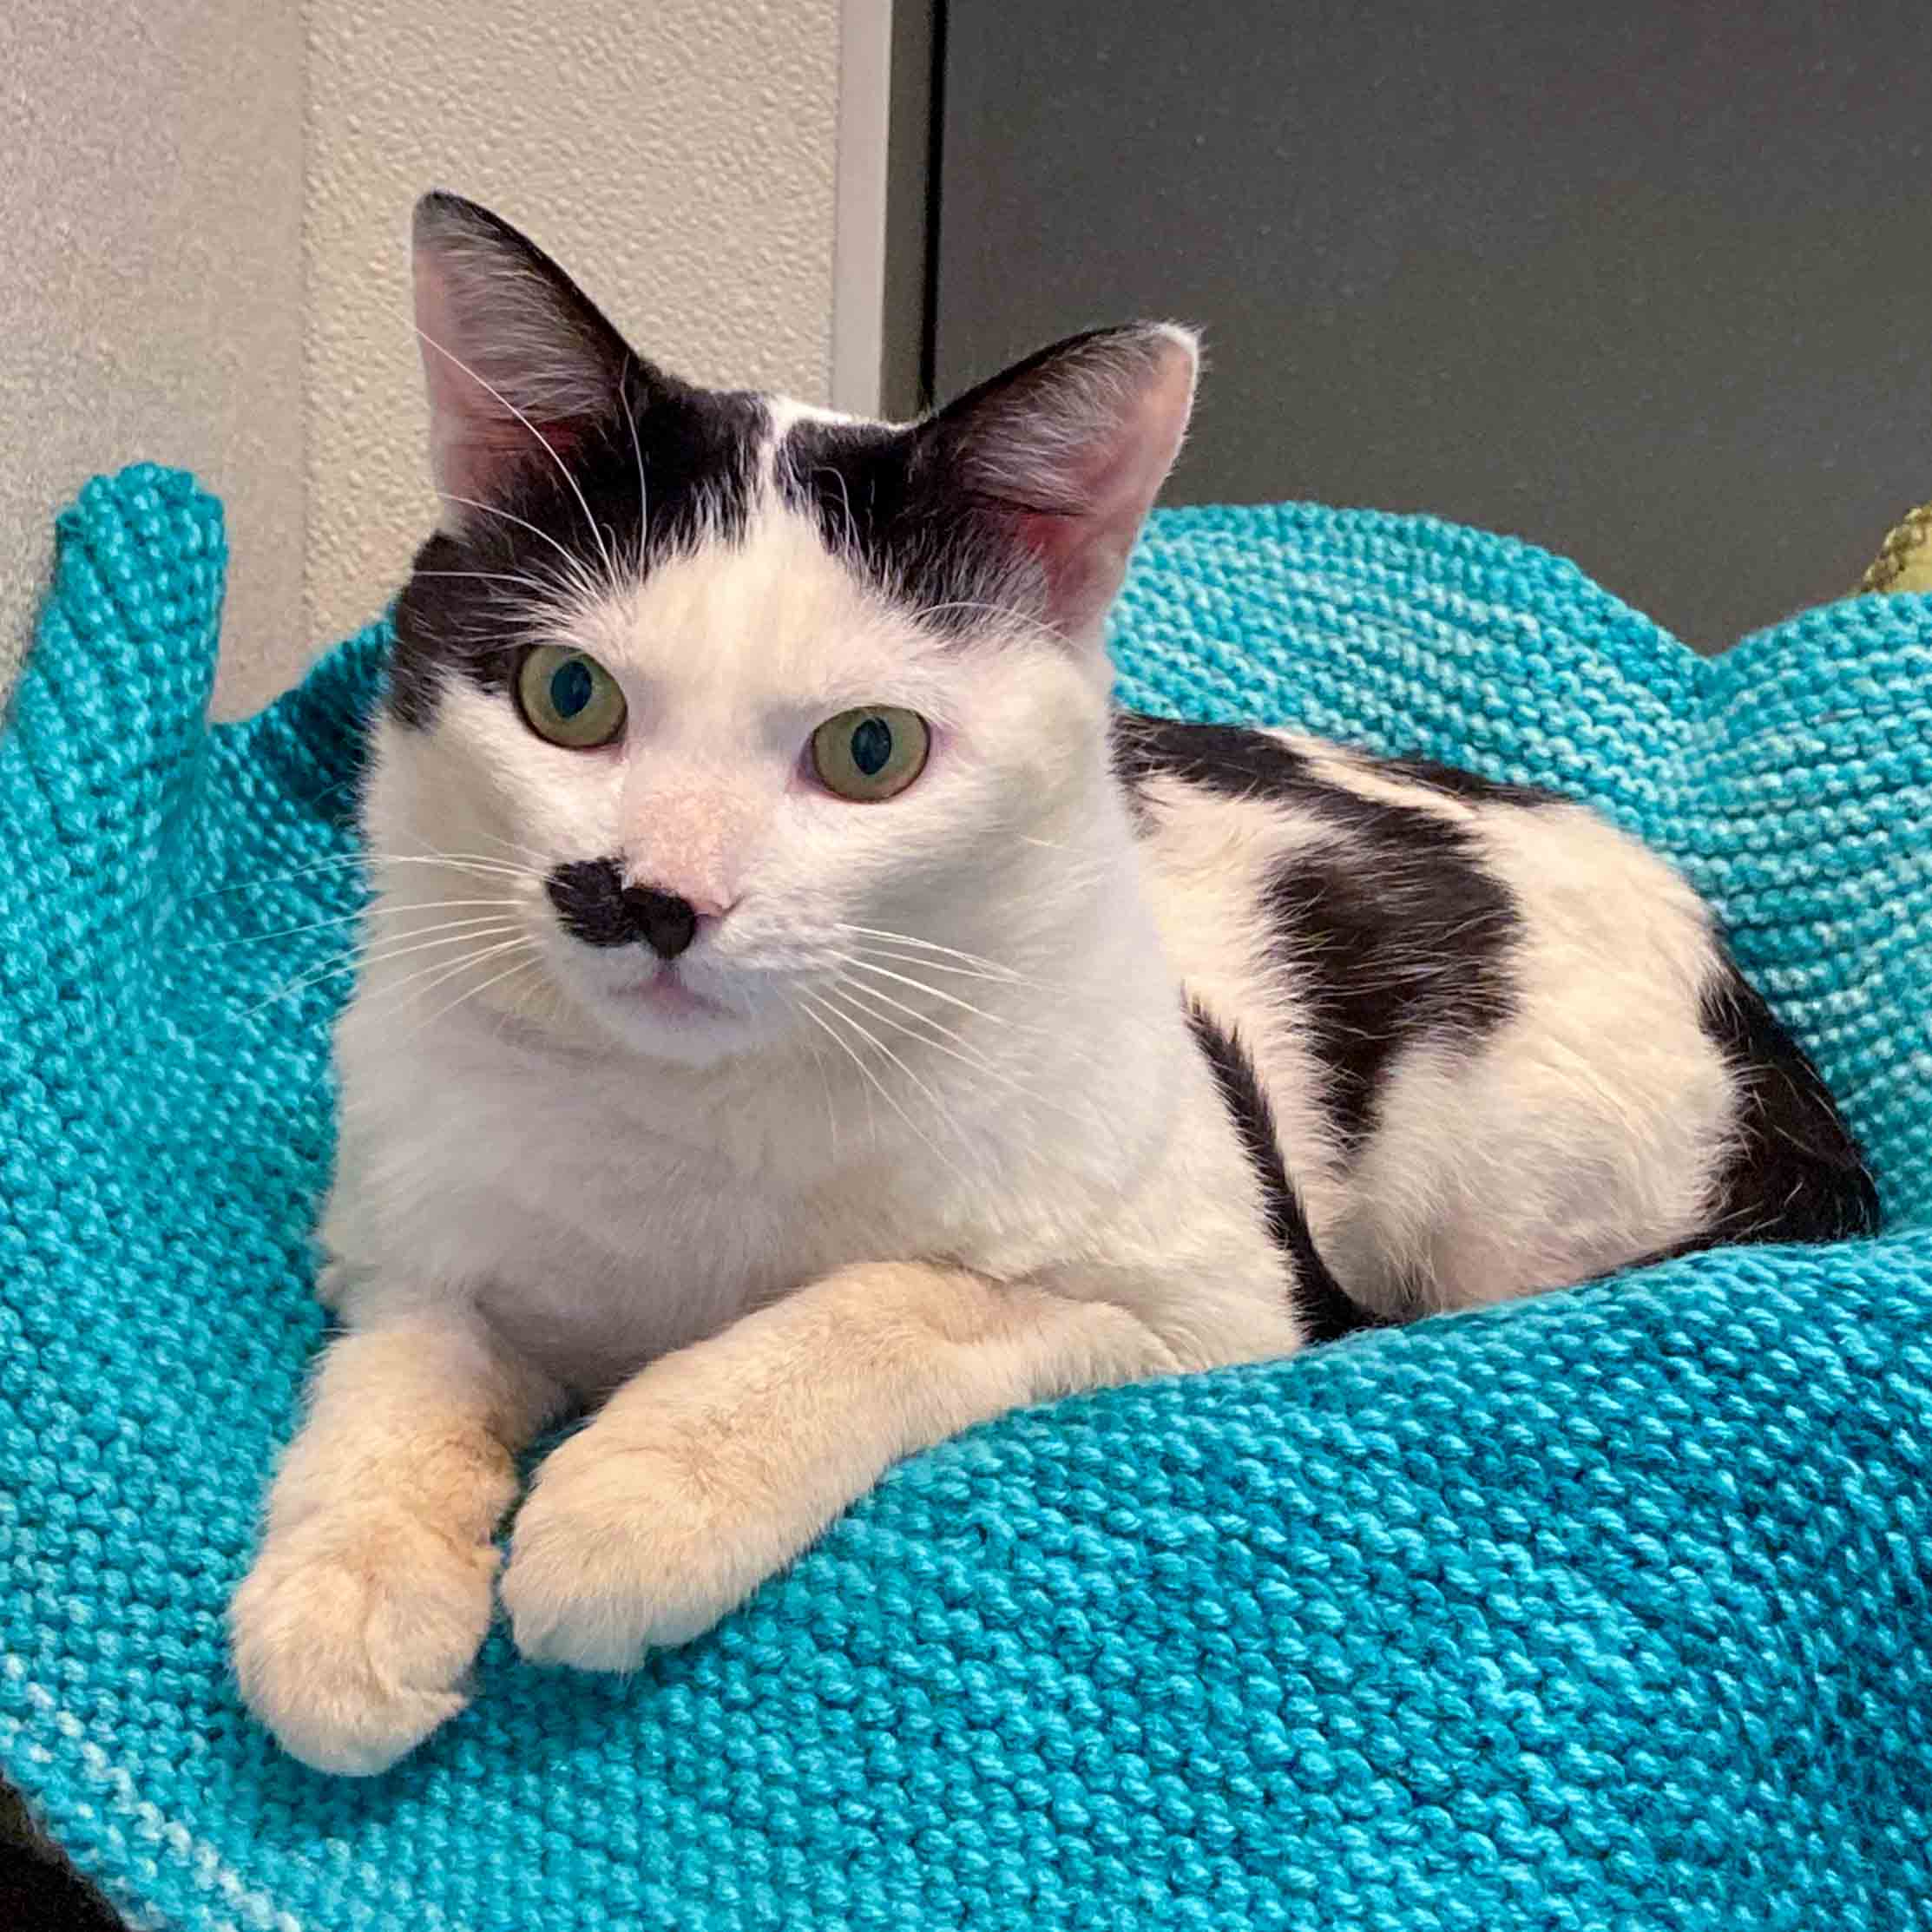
{"points": [[803, 1019]]}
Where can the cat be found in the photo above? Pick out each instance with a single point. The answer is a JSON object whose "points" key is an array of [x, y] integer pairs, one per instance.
{"points": [[804, 1018]]}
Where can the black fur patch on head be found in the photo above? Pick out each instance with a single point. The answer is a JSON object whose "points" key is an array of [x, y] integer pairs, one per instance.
{"points": [[888, 501], [478, 596], [1795, 1173], [1395, 932], [951, 516], [1321, 1305]]}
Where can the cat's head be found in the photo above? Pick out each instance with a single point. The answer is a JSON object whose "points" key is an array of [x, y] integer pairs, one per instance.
{"points": [[731, 691]]}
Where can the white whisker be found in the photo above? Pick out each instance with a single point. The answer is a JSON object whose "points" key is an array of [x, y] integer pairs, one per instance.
{"points": [[967, 1055], [402, 944], [479, 860], [924, 946], [439, 972], [543, 864], [1003, 977], [563, 468], [498, 576], [939, 1105], [846, 503], [350, 962], [578, 577], [376, 912], [885, 1093], [496, 979], [936, 1040], [844, 1046], [1016, 619], [637, 450], [831, 1111], [454, 862], [918, 985]]}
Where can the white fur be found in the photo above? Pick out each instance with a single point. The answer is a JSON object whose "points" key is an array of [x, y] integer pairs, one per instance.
{"points": [[1584, 1133], [885, 1188]]}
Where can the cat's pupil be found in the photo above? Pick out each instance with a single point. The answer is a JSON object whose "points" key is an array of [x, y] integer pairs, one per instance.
{"points": [[570, 688], [871, 746]]}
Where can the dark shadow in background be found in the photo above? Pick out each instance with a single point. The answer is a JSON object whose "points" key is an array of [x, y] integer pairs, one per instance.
{"points": [[39, 1892], [1650, 283]]}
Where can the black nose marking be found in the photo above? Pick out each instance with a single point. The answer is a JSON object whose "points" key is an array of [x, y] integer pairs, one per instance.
{"points": [[589, 894], [602, 910], [666, 923]]}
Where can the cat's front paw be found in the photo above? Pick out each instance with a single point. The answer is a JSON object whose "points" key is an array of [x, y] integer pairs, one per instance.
{"points": [[353, 1632], [624, 1547]]}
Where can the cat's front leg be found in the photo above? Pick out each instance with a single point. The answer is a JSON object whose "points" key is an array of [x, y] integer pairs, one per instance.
{"points": [[717, 1464], [371, 1591]]}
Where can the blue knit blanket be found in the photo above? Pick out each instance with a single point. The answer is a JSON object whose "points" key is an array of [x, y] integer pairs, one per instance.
{"points": [[1609, 1610]]}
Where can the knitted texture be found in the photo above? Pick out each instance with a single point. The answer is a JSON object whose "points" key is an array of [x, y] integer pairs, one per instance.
{"points": [[1605, 1611]]}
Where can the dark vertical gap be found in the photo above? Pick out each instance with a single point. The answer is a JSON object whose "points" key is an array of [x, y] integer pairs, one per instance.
{"points": [[935, 155], [912, 143]]}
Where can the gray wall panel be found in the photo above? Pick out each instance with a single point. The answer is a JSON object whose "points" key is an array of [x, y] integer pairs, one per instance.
{"points": [[1650, 285]]}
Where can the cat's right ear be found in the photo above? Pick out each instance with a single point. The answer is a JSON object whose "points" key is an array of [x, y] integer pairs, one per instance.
{"points": [[515, 357]]}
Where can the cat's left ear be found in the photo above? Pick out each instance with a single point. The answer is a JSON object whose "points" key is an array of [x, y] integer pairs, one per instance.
{"points": [[1068, 450], [516, 356]]}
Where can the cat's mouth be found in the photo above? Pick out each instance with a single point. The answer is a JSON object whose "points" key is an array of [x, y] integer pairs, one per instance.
{"points": [[664, 990]]}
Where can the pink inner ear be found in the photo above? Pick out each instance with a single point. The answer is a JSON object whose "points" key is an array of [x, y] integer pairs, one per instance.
{"points": [[1084, 549], [1081, 564], [1106, 480], [477, 439], [505, 435], [486, 450]]}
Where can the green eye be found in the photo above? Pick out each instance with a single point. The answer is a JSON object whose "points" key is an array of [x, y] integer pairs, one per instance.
{"points": [[871, 754], [569, 699]]}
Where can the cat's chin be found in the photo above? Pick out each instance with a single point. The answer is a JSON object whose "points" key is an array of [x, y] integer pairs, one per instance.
{"points": [[683, 1039], [659, 1015]]}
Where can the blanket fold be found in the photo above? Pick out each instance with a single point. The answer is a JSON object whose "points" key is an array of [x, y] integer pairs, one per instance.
{"points": [[1609, 1610]]}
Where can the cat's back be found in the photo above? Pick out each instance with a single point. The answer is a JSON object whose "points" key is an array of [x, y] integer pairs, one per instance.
{"points": [[1505, 1045]]}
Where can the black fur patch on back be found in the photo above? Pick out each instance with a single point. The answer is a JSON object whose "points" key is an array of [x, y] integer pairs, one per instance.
{"points": [[1238, 763], [1795, 1174], [1321, 1305], [1222, 759], [1455, 782], [462, 612], [1393, 945], [1396, 931]]}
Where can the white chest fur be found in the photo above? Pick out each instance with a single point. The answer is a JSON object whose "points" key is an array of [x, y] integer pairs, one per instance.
{"points": [[601, 1209]]}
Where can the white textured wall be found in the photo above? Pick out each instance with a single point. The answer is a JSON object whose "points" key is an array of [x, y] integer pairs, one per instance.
{"points": [[204, 207], [151, 287], [676, 156]]}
